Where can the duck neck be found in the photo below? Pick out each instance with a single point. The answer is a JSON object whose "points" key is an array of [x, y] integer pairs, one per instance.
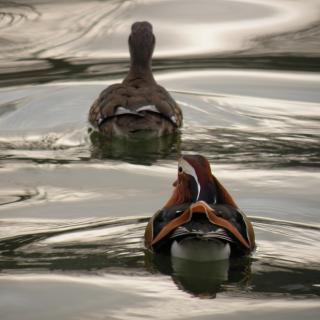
{"points": [[140, 69]]}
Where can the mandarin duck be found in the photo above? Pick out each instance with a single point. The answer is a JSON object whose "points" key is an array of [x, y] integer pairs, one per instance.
{"points": [[138, 104], [201, 221]]}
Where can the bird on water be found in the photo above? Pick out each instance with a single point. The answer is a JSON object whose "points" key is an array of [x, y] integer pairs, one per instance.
{"points": [[138, 104], [201, 221]]}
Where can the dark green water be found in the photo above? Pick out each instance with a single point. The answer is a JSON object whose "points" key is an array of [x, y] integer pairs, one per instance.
{"points": [[73, 211]]}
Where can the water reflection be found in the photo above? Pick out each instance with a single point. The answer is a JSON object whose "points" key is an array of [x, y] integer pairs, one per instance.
{"points": [[233, 146], [8, 199], [115, 246], [137, 150], [257, 150], [247, 76], [239, 129], [92, 42], [202, 279], [226, 26]]}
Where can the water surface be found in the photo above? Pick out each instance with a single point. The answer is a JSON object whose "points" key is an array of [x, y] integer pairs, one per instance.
{"points": [[73, 209]]}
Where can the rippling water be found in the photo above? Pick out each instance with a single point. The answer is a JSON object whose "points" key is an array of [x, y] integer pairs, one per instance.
{"points": [[73, 208]]}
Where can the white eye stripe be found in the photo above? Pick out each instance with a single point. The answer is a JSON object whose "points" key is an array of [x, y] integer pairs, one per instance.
{"points": [[188, 169]]}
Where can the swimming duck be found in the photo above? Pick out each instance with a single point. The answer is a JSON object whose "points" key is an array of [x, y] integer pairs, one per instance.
{"points": [[201, 220], [138, 104]]}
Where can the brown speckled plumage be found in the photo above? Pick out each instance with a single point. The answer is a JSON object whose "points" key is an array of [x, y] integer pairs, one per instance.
{"points": [[117, 110]]}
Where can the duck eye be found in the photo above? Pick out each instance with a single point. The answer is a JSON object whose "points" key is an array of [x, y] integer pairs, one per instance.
{"points": [[180, 169]]}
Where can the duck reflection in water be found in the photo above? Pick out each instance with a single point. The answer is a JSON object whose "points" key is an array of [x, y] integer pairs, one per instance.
{"points": [[137, 150], [138, 104], [202, 279]]}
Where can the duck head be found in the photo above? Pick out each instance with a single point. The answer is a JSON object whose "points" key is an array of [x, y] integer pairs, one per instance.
{"points": [[141, 44], [196, 182]]}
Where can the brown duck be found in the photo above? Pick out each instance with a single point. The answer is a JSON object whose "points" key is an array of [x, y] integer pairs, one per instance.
{"points": [[201, 221], [138, 104]]}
